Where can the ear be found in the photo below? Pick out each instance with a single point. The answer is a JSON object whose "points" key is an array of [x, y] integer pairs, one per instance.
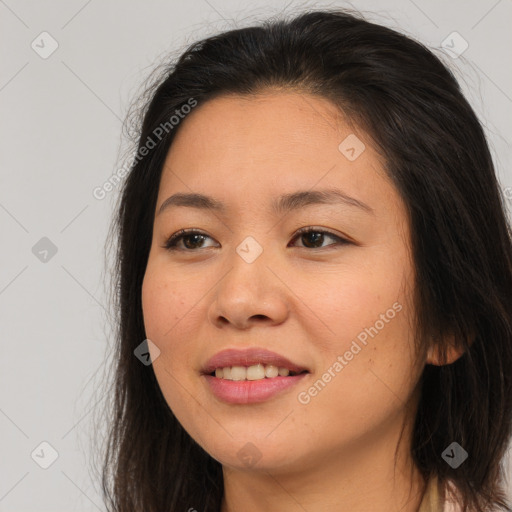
{"points": [[453, 353]]}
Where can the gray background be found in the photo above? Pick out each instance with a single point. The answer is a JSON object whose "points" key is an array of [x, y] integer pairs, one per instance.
{"points": [[60, 128]]}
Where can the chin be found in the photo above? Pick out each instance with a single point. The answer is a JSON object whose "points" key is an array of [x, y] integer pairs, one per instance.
{"points": [[249, 453]]}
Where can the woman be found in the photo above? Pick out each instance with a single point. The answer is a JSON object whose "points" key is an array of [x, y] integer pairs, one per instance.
{"points": [[314, 254]]}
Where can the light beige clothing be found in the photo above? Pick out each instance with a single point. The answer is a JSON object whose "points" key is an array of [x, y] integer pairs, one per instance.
{"points": [[434, 501]]}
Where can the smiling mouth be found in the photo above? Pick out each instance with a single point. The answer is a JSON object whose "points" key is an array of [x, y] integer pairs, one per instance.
{"points": [[244, 385]]}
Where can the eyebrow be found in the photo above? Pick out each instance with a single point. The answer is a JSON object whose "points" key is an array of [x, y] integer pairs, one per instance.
{"points": [[279, 206]]}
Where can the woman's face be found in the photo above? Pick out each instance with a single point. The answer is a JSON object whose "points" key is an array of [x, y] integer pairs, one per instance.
{"points": [[340, 310]]}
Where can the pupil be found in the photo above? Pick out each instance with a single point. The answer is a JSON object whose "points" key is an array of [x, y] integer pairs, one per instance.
{"points": [[188, 237], [315, 235]]}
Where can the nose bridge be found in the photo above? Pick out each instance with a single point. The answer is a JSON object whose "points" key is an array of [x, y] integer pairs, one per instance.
{"points": [[248, 290], [247, 278]]}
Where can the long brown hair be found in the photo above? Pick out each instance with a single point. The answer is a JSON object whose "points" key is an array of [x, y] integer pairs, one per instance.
{"points": [[437, 157]]}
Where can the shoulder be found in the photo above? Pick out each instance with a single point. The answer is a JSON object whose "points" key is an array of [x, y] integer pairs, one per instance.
{"points": [[439, 498], [451, 505], [450, 502]]}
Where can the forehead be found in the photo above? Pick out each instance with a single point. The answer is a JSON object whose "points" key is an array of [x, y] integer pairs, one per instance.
{"points": [[238, 146], [254, 125]]}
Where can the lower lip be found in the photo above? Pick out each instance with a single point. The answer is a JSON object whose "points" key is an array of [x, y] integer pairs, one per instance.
{"points": [[250, 391]]}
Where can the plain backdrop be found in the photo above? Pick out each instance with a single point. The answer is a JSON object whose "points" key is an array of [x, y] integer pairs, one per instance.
{"points": [[68, 73]]}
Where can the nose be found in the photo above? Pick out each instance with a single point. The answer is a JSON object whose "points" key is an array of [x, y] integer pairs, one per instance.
{"points": [[249, 294]]}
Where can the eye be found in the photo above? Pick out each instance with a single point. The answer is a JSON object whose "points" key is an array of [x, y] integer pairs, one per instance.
{"points": [[192, 238], [185, 234], [314, 236]]}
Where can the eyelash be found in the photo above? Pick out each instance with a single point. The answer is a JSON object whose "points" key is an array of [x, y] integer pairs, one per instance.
{"points": [[171, 243]]}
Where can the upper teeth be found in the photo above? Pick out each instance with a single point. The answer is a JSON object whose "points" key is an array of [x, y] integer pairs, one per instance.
{"points": [[255, 372]]}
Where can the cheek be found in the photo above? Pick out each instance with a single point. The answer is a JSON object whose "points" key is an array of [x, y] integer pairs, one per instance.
{"points": [[164, 303], [367, 317], [168, 310], [173, 307], [345, 301], [367, 375]]}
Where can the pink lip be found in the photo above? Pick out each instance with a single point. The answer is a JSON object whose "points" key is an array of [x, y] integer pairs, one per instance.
{"points": [[250, 391], [249, 357]]}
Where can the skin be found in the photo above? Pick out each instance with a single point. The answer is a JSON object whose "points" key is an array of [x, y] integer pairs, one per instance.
{"points": [[337, 451]]}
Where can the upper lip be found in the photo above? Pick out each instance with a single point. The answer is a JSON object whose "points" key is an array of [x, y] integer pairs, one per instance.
{"points": [[249, 357]]}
